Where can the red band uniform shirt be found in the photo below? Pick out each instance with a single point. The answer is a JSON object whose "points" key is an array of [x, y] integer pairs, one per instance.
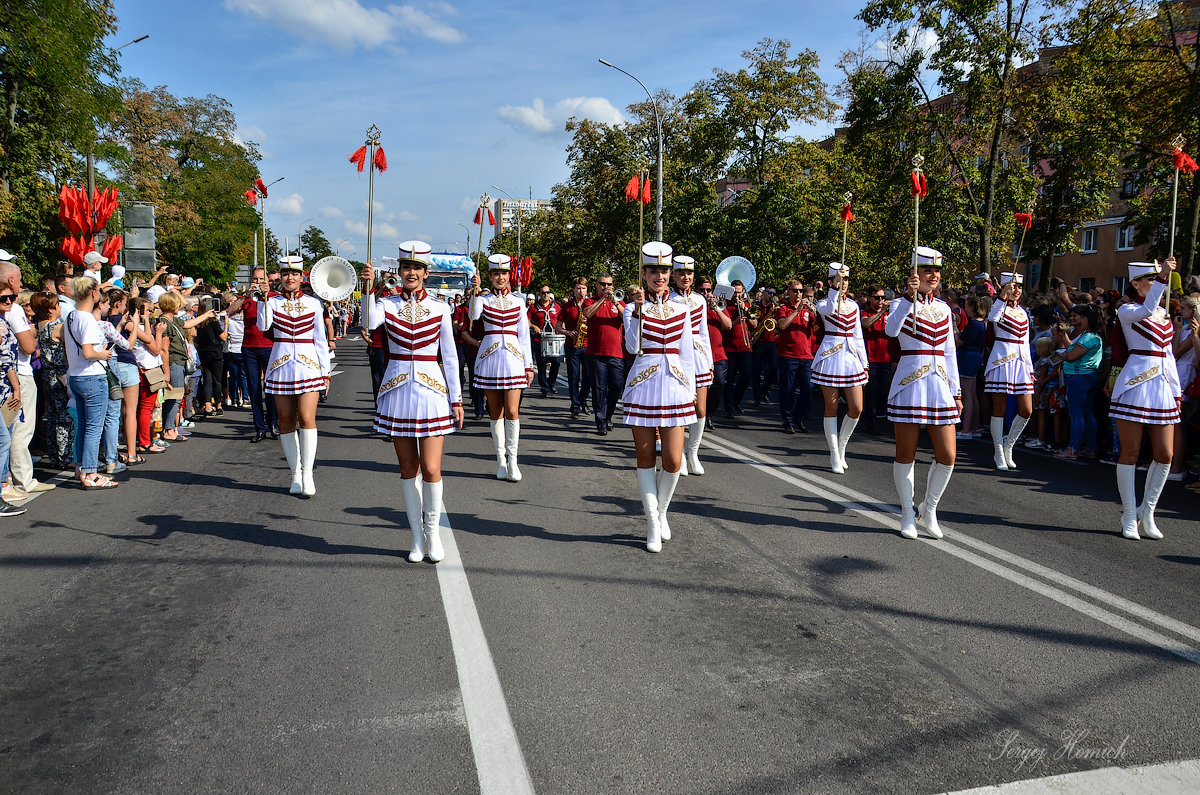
{"points": [[542, 319], [504, 352], [300, 352], [604, 328], [1009, 369], [417, 394], [716, 337], [660, 391], [841, 359], [1147, 388], [925, 384], [697, 309]]}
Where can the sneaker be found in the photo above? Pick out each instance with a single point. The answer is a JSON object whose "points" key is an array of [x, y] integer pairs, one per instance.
{"points": [[1033, 444], [1176, 477], [40, 487], [187, 424], [113, 469], [964, 435], [10, 510], [13, 494]]}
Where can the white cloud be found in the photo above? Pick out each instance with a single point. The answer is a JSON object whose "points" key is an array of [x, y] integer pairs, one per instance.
{"points": [[252, 133], [405, 215], [381, 213], [348, 24], [288, 205], [542, 120], [332, 212], [382, 230], [900, 45], [469, 204]]}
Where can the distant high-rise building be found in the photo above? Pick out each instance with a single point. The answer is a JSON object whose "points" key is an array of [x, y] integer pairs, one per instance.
{"points": [[506, 211]]}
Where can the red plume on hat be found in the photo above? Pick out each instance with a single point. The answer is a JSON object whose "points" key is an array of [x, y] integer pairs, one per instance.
{"points": [[920, 188], [1024, 220], [380, 161], [1184, 162], [846, 215], [359, 157], [262, 188]]}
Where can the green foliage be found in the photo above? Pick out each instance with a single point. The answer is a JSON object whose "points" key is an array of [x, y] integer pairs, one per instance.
{"points": [[314, 245]]}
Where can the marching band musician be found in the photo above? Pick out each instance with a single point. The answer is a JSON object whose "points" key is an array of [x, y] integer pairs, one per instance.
{"points": [[795, 325], [299, 369], [572, 326], [504, 365], [1146, 396], [840, 364], [418, 400], [1009, 370], [543, 316], [684, 273], [602, 316], [661, 391], [925, 390], [737, 349], [718, 322]]}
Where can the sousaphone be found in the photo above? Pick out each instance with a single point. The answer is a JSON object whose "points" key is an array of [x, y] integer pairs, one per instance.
{"points": [[731, 269], [333, 279]]}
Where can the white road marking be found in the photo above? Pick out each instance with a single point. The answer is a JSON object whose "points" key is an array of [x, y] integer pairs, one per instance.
{"points": [[1144, 780], [499, 761], [870, 508]]}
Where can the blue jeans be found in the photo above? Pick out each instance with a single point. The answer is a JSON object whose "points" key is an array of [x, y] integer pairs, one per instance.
{"points": [[257, 360], [607, 385], [879, 384], [112, 425], [170, 407], [91, 403], [578, 380], [738, 379], [795, 389], [235, 381], [5, 449], [716, 391], [1081, 393], [766, 367]]}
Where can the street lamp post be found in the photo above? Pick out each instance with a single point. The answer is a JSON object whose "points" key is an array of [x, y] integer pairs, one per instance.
{"points": [[337, 249], [262, 211], [509, 195], [300, 237], [466, 250], [658, 233]]}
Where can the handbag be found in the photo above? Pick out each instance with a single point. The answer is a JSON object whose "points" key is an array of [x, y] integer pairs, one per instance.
{"points": [[155, 378]]}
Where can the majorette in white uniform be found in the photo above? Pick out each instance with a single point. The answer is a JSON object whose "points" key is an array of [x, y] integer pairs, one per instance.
{"points": [[505, 361], [299, 363], [924, 388], [702, 360], [660, 391], [840, 361], [1147, 390], [1009, 369], [417, 395]]}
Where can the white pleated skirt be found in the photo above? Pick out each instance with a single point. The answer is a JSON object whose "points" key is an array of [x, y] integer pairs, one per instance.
{"points": [[654, 397], [1151, 403]]}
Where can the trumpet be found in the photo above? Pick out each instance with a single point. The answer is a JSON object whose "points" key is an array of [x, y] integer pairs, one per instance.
{"points": [[390, 281], [256, 294], [763, 328], [720, 304], [617, 296]]}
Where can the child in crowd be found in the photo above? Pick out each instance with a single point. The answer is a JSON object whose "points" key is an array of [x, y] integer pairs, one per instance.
{"points": [[1049, 393]]}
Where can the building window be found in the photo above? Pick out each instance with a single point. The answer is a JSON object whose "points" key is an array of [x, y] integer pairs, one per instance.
{"points": [[1125, 238], [1119, 283], [1088, 284], [1087, 241], [1129, 187]]}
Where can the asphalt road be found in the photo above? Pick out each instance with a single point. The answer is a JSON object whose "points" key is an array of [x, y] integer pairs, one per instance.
{"points": [[200, 630]]}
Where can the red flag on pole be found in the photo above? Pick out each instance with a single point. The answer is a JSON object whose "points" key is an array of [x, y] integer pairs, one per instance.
{"points": [[262, 188], [846, 215], [1184, 162], [359, 157], [1024, 220], [251, 197]]}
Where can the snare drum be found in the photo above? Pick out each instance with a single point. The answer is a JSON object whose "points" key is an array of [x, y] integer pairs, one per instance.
{"points": [[553, 345]]}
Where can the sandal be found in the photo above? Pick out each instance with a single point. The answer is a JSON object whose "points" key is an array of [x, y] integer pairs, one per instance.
{"points": [[179, 437], [153, 447], [1068, 454], [98, 482], [131, 460]]}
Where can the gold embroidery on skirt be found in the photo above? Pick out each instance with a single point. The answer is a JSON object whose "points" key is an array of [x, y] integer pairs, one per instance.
{"points": [[643, 375], [919, 373], [833, 350], [675, 371], [430, 381], [1006, 359], [280, 361], [301, 357], [393, 382], [490, 350], [515, 350], [1144, 377]]}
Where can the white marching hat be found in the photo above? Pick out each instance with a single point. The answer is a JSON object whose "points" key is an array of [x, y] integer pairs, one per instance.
{"points": [[499, 262], [656, 253], [417, 250], [291, 262], [683, 262], [1137, 270], [924, 255], [1015, 278], [838, 269]]}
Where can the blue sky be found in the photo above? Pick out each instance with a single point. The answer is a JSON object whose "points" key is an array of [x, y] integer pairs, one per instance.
{"points": [[467, 94]]}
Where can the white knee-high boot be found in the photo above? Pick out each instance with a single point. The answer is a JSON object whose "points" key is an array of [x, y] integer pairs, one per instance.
{"points": [[1127, 488], [998, 443], [848, 425], [1156, 478], [431, 498], [649, 491], [512, 437], [683, 467], [1014, 436], [935, 486], [691, 450], [831, 439], [411, 489], [308, 457], [498, 442], [291, 451], [902, 474], [666, 481]]}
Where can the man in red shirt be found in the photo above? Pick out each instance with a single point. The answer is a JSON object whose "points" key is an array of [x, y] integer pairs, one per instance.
{"points": [[468, 335], [579, 377], [605, 351], [736, 342], [718, 323], [882, 353], [795, 326], [256, 353], [766, 357], [544, 315]]}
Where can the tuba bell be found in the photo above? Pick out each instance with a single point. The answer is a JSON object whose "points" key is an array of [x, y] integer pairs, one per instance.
{"points": [[333, 279]]}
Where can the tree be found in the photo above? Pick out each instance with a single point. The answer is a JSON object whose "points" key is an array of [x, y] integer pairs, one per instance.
{"points": [[314, 242]]}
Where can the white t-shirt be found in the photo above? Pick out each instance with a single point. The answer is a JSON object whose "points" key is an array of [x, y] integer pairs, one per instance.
{"points": [[18, 322], [82, 326], [93, 275], [235, 326], [156, 292], [143, 357]]}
